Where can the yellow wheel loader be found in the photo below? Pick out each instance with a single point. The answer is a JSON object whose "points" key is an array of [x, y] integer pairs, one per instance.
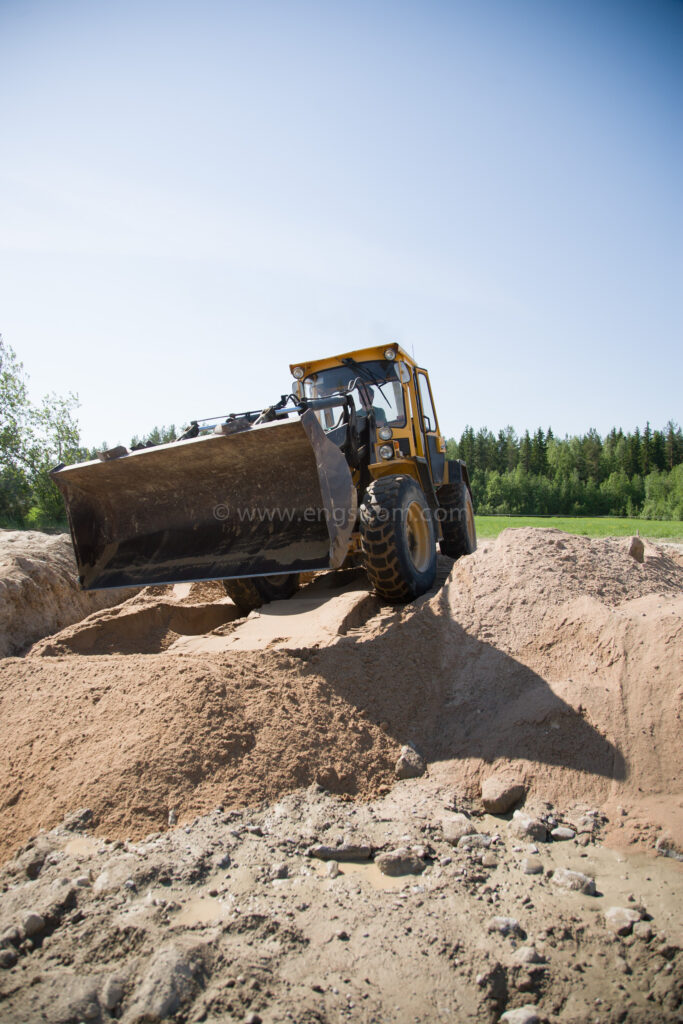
{"points": [[348, 469]]}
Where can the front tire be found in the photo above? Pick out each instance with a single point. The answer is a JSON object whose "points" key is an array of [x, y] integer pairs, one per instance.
{"points": [[397, 538], [255, 591], [457, 523]]}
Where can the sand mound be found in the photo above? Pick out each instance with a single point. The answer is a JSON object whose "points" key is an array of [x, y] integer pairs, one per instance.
{"points": [[39, 591], [554, 657]]}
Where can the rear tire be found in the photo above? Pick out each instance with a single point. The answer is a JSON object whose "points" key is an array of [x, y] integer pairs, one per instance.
{"points": [[457, 524], [255, 591], [397, 537]]}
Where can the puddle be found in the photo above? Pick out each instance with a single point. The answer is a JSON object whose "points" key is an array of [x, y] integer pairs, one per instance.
{"points": [[82, 846], [241, 880], [371, 873], [200, 911]]}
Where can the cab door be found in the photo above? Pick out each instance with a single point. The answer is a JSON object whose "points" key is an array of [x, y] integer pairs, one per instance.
{"points": [[434, 446]]}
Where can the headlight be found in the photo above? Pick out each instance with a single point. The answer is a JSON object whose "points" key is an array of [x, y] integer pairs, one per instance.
{"points": [[385, 433], [386, 451], [389, 353], [298, 372]]}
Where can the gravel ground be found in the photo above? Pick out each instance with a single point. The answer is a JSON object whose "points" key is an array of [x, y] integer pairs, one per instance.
{"points": [[413, 908]]}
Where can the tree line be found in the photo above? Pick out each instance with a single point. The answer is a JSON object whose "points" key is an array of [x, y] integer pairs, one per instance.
{"points": [[623, 474]]}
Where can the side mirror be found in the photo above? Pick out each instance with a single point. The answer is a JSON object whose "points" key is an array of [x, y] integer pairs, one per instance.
{"points": [[428, 425]]}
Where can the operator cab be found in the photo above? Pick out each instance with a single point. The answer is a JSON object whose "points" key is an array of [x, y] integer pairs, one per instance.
{"points": [[375, 386]]}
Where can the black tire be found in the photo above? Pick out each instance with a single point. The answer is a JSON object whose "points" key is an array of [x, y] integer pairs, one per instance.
{"points": [[457, 520], [397, 538], [254, 591]]}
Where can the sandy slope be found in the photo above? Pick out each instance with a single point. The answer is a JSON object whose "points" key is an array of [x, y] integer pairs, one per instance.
{"points": [[39, 591]]}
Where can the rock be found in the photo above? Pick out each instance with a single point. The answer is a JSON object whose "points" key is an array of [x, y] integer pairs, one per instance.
{"points": [[75, 999], [78, 820], [30, 861], [83, 882], [500, 795], [343, 852], [12, 937], [280, 870], [168, 983], [620, 920], [532, 866], [574, 880], [476, 841], [400, 862], [494, 982], [32, 924], [409, 765], [332, 869], [455, 827], [526, 827], [103, 883], [505, 926], [112, 991], [252, 1018], [562, 833], [621, 965], [527, 955], [489, 860], [8, 958], [636, 549], [172, 817], [522, 1015], [643, 930], [666, 847]]}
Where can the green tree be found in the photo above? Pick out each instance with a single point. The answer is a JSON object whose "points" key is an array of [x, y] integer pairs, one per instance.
{"points": [[539, 454], [673, 445], [646, 450], [17, 444], [525, 453], [158, 435], [33, 439], [466, 448], [591, 450], [58, 442]]}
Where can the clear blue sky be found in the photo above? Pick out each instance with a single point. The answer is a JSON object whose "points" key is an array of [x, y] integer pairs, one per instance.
{"points": [[192, 195]]}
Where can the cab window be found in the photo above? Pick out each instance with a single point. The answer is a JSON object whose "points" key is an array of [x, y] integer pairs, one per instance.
{"points": [[374, 385], [430, 424]]}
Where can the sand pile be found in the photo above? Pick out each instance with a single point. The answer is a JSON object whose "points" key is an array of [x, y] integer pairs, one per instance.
{"points": [[39, 591], [551, 657]]}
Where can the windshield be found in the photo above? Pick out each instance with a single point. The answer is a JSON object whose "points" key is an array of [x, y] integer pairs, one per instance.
{"points": [[376, 385]]}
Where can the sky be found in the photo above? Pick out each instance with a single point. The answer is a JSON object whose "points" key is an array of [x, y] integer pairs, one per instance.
{"points": [[195, 195]]}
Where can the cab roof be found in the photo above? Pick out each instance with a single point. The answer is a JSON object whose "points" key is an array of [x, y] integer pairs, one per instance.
{"points": [[360, 355]]}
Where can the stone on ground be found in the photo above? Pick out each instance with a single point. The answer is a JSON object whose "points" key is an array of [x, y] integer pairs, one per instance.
{"points": [[500, 795]]}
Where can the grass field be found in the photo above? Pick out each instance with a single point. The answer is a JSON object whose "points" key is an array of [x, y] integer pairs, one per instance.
{"points": [[491, 526]]}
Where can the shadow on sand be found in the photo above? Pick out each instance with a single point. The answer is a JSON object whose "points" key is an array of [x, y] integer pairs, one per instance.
{"points": [[428, 681]]}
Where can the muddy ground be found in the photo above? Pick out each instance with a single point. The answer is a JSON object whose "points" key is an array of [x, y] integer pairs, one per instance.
{"points": [[206, 817]]}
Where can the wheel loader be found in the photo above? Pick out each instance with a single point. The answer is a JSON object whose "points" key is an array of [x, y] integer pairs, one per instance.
{"points": [[348, 469]]}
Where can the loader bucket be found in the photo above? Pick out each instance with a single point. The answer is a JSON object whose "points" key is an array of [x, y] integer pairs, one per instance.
{"points": [[276, 498]]}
